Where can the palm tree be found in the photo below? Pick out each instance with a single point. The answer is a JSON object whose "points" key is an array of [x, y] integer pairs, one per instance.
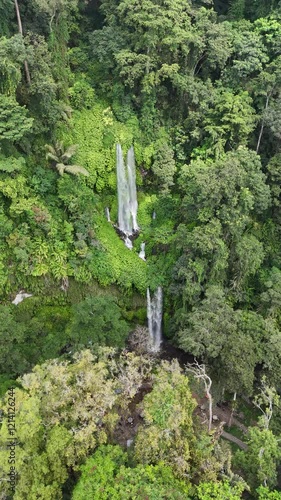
{"points": [[60, 158]]}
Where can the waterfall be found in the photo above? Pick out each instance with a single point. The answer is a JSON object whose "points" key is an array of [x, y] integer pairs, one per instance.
{"points": [[132, 187], [107, 214], [128, 242], [154, 316], [124, 214], [142, 252], [154, 215], [127, 192]]}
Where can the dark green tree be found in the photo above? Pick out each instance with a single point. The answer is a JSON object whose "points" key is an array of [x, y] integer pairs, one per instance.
{"points": [[98, 320]]}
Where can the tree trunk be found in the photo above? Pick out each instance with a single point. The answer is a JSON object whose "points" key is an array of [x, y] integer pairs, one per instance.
{"points": [[210, 399], [262, 123], [232, 410], [27, 73]]}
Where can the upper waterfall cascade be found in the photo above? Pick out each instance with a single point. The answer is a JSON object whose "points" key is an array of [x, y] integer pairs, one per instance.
{"points": [[127, 192]]}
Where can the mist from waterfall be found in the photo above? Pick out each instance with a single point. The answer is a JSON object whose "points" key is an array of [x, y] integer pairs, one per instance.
{"points": [[127, 192], [154, 317]]}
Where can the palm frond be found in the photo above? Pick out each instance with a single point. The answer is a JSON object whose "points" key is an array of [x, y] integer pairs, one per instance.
{"points": [[69, 152], [76, 169], [50, 149], [51, 156], [66, 112], [60, 168], [59, 148]]}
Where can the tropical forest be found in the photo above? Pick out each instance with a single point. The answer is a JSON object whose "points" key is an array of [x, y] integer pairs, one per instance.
{"points": [[140, 249]]}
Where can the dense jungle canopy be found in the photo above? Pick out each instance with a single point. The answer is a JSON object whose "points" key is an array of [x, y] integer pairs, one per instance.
{"points": [[195, 87]]}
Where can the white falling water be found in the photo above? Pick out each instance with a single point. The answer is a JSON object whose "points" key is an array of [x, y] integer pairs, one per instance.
{"points": [[132, 187], [154, 215], [124, 213], [128, 243], [127, 193], [154, 316], [142, 252], [107, 214]]}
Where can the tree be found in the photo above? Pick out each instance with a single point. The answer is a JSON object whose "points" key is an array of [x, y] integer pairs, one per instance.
{"points": [[268, 396], [274, 177], [236, 9], [260, 461], [55, 8], [14, 122], [43, 91], [60, 158], [263, 455], [168, 434], [106, 475], [219, 491], [164, 167], [26, 67], [6, 9], [230, 189], [230, 121], [98, 321], [199, 373], [248, 58], [64, 411], [13, 360], [266, 494], [266, 88], [242, 352], [203, 262], [270, 299], [12, 52], [208, 326]]}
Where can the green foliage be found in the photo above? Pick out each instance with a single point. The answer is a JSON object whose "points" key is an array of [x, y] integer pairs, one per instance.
{"points": [[164, 167], [96, 132], [209, 326], [233, 342], [81, 94], [198, 95], [12, 52], [106, 475], [236, 9], [64, 411], [42, 93], [260, 461], [61, 156], [112, 262], [31, 337], [230, 188], [266, 494], [14, 122], [219, 491], [98, 321], [168, 434], [11, 164], [13, 336]]}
